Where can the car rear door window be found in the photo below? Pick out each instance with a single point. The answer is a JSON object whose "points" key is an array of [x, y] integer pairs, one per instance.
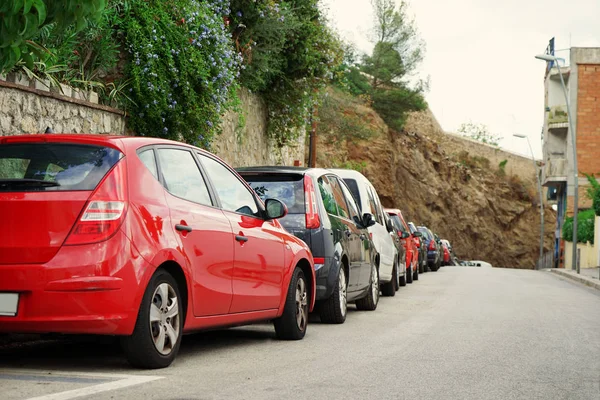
{"points": [[149, 160], [234, 195], [54, 166], [182, 176], [327, 195], [339, 197]]}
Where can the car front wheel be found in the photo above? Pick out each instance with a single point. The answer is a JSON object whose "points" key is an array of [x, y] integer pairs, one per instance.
{"points": [[293, 322], [157, 334], [389, 289]]}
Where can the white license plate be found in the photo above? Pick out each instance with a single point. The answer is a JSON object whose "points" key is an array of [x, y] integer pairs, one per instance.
{"points": [[9, 303]]}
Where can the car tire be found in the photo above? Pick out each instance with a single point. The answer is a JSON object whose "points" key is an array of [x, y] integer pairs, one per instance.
{"points": [[402, 280], [409, 274], [158, 330], [389, 289], [434, 267], [293, 322], [416, 275], [421, 267], [334, 309], [369, 302]]}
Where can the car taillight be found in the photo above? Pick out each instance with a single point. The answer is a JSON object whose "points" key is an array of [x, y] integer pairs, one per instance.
{"points": [[105, 210], [310, 204], [432, 245]]}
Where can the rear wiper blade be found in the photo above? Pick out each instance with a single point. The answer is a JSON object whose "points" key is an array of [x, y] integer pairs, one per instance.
{"points": [[27, 182]]}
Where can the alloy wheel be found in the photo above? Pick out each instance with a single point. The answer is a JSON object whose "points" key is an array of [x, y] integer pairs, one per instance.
{"points": [[301, 304], [343, 292], [374, 284], [164, 318]]}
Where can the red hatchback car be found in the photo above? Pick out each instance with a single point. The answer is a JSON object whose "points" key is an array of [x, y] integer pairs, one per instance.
{"points": [[412, 252], [142, 238]]}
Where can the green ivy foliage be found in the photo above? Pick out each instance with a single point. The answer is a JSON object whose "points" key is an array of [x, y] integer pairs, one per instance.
{"points": [[21, 20], [289, 53]]}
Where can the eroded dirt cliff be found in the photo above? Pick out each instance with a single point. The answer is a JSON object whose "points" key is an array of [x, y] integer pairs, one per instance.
{"points": [[485, 214]]}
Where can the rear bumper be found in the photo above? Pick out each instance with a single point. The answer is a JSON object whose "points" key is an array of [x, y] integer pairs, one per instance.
{"points": [[326, 277], [77, 292]]}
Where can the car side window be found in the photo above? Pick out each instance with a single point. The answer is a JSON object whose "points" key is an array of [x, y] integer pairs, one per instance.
{"points": [[339, 197], [182, 176], [352, 206], [234, 195], [149, 160], [373, 206], [327, 195]]}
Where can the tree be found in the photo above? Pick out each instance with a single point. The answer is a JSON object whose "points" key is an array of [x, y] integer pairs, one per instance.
{"points": [[398, 47], [479, 132], [21, 20], [396, 53]]}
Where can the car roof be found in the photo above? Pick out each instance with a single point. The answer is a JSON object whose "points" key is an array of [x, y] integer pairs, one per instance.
{"points": [[281, 169], [394, 211], [119, 142], [349, 173]]}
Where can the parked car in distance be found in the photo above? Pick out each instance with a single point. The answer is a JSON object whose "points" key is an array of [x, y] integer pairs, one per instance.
{"points": [[452, 257], [324, 214], [420, 243], [476, 264], [400, 238], [141, 238], [387, 259], [434, 255], [407, 238], [446, 259]]}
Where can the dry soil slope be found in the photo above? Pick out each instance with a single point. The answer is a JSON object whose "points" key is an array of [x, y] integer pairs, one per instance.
{"points": [[482, 214]]}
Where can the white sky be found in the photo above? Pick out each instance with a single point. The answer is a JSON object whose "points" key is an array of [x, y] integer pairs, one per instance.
{"points": [[480, 56]]}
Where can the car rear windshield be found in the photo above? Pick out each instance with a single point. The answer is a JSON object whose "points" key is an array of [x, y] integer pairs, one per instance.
{"points": [[398, 223], [353, 186], [35, 167], [425, 233], [287, 188]]}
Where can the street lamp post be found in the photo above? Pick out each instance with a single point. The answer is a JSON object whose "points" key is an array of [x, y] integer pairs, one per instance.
{"points": [[539, 181], [551, 58]]}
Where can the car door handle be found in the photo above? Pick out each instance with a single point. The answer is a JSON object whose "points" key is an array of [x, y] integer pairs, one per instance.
{"points": [[241, 238], [183, 228]]}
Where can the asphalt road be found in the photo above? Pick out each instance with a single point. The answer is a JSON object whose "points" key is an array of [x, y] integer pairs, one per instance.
{"points": [[459, 333]]}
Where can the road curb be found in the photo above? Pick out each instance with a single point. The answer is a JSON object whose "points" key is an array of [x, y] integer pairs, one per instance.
{"points": [[577, 278]]}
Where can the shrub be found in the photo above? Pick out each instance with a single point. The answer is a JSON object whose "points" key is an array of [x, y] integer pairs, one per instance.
{"points": [[182, 68], [585, 227]]}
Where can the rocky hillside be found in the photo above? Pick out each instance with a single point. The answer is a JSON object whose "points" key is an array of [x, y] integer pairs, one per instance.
{"points": [[485, 214]]}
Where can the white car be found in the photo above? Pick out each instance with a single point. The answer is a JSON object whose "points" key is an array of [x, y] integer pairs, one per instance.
{"points": [[476, 264], [368, 200]]}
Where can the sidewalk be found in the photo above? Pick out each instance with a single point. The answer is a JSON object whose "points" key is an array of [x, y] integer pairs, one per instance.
{"points": [[588, 276]]}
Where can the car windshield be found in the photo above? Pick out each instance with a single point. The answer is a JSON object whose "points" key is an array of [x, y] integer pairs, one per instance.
{"points": [[54, 166], [287, 188]]}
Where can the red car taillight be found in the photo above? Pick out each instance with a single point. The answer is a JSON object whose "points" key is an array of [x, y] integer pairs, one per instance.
{"points": [[432, 245], [105, 210], [310, 204]]}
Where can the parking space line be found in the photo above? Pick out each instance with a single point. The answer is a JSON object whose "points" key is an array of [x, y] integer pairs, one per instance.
{"points": [[117, 381]]}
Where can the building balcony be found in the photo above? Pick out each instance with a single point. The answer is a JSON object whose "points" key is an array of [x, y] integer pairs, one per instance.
{"points": [[555, 170], [558, 117]]}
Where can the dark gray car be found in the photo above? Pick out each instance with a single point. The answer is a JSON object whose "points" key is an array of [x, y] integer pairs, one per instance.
{"points": [[323, 213]]}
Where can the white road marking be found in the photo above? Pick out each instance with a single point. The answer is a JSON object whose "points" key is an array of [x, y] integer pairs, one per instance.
{"points": [[120, 381]]}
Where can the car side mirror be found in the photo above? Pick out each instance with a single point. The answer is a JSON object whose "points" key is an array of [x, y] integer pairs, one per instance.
{"points": [[368, 220], [275, 209], [405, 235], [418, 234], [389, 225]]}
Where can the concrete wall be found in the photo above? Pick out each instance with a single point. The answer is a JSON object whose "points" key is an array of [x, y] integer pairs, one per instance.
{"points": [[517, 165], [24, 109]]}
